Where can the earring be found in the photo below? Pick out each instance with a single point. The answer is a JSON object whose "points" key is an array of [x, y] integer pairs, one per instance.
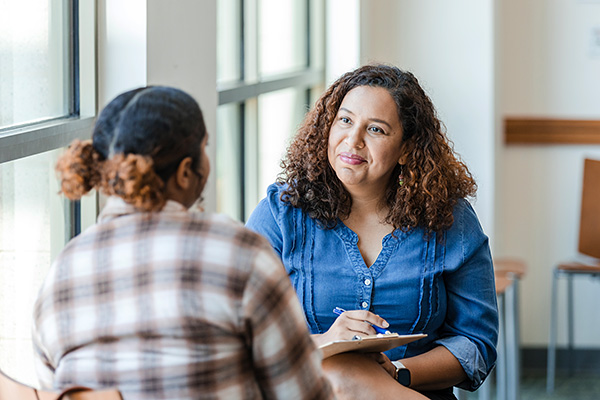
{"points": [[401, 176]]}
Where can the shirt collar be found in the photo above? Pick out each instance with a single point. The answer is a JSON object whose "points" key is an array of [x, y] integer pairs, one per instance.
{"points": [[116, 207]]}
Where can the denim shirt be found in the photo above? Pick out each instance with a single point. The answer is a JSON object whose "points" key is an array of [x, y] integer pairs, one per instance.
{"points": [[418, 284]]}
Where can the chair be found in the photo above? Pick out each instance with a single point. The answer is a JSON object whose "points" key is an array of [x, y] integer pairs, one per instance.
{"points": [[10, 389], [508, 273], [589, 245], [503, 284]]}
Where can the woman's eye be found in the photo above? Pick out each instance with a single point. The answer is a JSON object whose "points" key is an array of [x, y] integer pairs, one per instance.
{"points": [[345, 120], [376, 129]]}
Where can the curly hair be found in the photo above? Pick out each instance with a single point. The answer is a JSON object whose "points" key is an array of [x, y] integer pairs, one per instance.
{"points": [[139, 140], [434, 178]]}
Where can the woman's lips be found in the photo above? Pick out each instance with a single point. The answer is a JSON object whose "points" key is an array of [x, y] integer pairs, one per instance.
{"points": [[352, 159]]}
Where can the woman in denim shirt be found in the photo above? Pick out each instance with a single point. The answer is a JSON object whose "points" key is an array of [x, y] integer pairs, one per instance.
{"points": [[370, 216]]}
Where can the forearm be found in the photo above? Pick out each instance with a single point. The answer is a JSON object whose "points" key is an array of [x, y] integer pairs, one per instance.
{"points": [[434, 370]]}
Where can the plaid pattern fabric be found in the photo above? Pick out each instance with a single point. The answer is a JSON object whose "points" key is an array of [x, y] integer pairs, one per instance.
{"points": [[173, 305]]}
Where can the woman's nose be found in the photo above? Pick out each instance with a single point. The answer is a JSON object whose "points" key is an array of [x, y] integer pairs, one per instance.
{"points": [[355, 138]]}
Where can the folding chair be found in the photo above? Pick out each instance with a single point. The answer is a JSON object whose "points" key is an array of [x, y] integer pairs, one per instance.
{"points": [[589, 244]]}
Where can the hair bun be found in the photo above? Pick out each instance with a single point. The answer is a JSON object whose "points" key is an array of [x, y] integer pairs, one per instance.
{"points": [[78, 169], [132, 178]]}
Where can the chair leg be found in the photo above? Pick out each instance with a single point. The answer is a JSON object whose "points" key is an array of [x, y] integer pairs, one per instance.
{"points": [[517, 328], [501, 362], [571, 320], [510, 336], [551, 367]]}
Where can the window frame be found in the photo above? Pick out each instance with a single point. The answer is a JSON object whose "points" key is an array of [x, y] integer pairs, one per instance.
{"points": [[245, 92], [24, 140]]}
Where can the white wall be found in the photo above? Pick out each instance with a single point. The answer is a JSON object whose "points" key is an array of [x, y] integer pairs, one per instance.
{"points": [[182, 52], [449, 47], [482, 61], [342, 44], [548, 69], [121, 47]]}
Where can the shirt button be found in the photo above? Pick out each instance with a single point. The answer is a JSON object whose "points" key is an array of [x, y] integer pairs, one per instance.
{"points": [[365, 304], [367, 281]]}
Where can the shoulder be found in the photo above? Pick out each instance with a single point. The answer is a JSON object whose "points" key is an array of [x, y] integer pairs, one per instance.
{"points": [[212, 227], [465, 217], [276, 196], [466, 233], [273, 207], [238, 249], [165, 232]]}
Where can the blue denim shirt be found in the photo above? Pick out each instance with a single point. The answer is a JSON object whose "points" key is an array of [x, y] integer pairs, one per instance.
{"points": [[419, 285]]}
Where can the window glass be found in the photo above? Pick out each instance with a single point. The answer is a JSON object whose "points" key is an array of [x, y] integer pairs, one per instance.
{"points": [[282, 36], [257, 42], [279, 116], [32, 232], [228, 160], [228, 38], [34, 71]]}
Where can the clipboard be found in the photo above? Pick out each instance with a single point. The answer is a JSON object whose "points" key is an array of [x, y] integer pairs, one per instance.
{"points": [[368, 344]]}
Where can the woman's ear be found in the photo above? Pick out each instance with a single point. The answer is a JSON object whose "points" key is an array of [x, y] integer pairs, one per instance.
{"points": [[183, 175], [403, 157]]}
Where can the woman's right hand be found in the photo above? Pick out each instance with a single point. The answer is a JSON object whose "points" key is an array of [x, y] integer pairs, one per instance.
{"points": [[350, 324]]}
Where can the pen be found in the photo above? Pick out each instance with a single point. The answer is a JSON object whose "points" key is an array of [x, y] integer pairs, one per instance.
{"points": [[339, 311]]}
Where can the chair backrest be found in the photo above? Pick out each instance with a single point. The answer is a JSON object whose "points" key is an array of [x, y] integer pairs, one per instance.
{"points": [[589, 226], [10, 389]]}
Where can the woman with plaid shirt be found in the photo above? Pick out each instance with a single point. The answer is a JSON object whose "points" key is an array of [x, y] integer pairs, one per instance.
{"points": [[159, 301]]}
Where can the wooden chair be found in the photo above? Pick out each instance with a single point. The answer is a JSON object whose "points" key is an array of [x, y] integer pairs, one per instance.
{"points": [[507, 273], [589, 244], [10, 389]]}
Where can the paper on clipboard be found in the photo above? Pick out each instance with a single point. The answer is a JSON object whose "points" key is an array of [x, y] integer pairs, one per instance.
{"points": [[369, 344]]}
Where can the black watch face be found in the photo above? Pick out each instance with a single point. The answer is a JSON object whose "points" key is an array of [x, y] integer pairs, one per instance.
{"points": [[404, 377]]}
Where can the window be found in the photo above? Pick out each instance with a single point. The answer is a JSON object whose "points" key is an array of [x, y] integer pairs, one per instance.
{"points": [[47, 98], [34, 62], [269, 69]]}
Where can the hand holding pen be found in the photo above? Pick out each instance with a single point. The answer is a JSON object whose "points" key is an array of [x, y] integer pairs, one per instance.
{"points": [[378, 329], [351, 325]]}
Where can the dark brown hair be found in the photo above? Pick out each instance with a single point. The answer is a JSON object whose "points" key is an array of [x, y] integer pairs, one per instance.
{"points": [[138, 142], [434, 178]]}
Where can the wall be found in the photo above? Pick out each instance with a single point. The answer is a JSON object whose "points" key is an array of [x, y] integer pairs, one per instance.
{"points": [[343, 45], [182, 52], [548, 69], [482, 61], [449, 48]]}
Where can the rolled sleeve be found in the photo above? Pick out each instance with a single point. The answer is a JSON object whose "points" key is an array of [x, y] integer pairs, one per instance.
{"points": [[469, 357]]}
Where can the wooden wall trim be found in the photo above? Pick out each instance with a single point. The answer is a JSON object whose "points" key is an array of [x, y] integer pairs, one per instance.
{"points": [[551, 131]]}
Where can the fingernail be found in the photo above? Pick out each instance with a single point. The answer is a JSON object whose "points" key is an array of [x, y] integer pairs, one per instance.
{"points": [[385, 324]]}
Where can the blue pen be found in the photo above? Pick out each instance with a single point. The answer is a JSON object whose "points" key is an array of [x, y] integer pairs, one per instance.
{"points": [[339, 311]]}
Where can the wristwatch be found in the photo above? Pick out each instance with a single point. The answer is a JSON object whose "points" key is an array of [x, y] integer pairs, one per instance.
{"points": [[402, 374]]}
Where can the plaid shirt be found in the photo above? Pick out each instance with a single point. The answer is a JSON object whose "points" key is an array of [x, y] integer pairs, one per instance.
{"points": [[173, 305]]}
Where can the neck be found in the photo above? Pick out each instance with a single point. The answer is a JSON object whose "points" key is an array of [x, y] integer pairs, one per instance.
{"points": [[368, 203]]}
